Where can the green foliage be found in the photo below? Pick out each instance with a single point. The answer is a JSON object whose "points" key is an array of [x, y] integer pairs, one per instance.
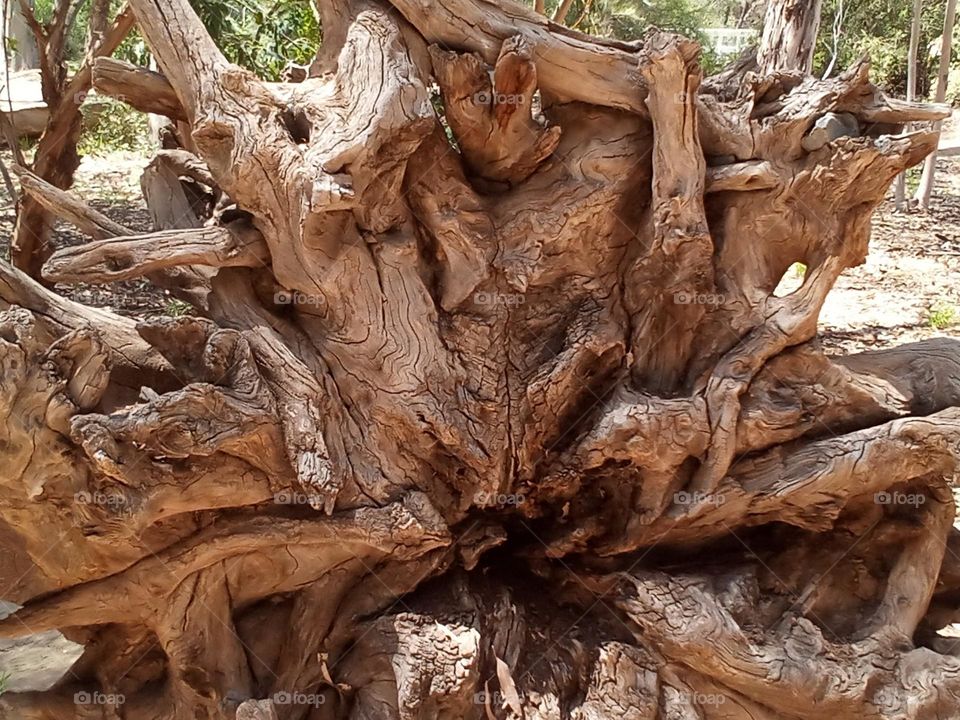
{"points": [[76, 36], [436, 99], [878, 28], [176, 308], [43, 10], [913, 179], [941, 315], [262, 38], [27, 144], [4, 682], [630, 19], [134, 49], [109, 124], [881, 29]]}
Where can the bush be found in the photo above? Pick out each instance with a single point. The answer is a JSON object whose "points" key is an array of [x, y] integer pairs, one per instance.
{"points": [[941, 315], [953, 85], [260, 37], [110, 125]]}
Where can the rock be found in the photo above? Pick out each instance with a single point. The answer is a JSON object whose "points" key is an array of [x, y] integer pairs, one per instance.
{"points": [[35, 662], [718, 160], [828, 128], [23, 103]]}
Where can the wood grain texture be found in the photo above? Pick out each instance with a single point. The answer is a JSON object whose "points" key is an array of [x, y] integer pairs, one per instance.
{"points": [[486, 406]]}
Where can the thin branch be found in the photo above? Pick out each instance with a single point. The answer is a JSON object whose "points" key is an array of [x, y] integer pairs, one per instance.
{"points": [[116, 34], [62, 204], [837, 31], [561, 13]]}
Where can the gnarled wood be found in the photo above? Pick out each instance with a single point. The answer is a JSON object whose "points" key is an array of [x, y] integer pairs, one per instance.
{"points": [[492, 120], [124, 257], [492, 409]]}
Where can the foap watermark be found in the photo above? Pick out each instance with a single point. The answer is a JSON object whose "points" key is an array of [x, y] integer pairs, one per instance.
{"points": [[113, 500], [295, 297], [698, 498], [292, 497], [82, 96], [699, 698], [298, 698], [900, 498], [485, 97], [691, 298], [486, 499], [98, 698], [885, 697], [495, 298], [495, 699]]}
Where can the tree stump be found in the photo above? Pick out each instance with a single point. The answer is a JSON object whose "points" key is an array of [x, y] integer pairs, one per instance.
{"points": [[488, 407]]}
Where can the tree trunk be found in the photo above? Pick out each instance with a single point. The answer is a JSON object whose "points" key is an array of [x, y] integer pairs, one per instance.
{"points": [[789, 36], [56, 159], [491, 417], [23, 52], [925, 189], [911, 88]]}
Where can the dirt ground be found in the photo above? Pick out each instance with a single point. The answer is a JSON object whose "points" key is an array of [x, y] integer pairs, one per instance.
{"points": [[908, 289]]}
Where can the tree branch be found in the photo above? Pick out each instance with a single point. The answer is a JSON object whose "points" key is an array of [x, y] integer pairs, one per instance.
{"points": [[143, 89], [125, 257], [63, 204]]}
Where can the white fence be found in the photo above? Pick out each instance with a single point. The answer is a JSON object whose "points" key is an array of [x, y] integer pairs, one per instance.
{"points": [[729, 41]]}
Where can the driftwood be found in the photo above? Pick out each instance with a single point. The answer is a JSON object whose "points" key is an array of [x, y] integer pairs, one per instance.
{"points": [[487, 407]]}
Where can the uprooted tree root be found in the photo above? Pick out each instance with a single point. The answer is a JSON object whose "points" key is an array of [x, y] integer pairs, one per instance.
{"points": [[497, 416]]}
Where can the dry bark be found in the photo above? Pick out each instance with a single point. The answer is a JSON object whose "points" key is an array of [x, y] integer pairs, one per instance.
{"points": [[789, 36], [487, 411]]}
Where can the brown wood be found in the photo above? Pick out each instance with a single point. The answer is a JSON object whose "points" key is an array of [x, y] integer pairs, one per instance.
{"points": [[125, 257], [486, 406], [65, 205], [144, 89]]}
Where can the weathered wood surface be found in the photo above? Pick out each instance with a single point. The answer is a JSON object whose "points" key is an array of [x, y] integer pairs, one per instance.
{"points": [[487, 407]]}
